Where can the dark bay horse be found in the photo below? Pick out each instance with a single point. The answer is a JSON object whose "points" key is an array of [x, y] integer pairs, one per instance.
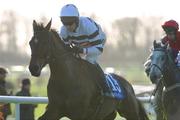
{"points": [[72, 88], [163, 67]]}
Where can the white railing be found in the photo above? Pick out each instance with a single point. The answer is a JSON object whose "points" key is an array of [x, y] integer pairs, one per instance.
{"points": [[17, 100]]}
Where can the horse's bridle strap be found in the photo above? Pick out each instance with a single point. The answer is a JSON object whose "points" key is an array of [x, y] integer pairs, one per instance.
{"points": [[157, 67]]}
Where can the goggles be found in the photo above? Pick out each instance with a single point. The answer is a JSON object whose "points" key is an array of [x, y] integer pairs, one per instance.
{"points": [[67, 23], [169, 30]]}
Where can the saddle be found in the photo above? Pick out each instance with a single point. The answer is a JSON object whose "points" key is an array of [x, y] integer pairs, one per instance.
{"points": [[115, 87]]}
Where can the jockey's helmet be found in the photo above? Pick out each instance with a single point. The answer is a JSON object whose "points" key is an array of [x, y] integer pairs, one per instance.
{"points": [[69, 14], [170, 26], [3, 70]]}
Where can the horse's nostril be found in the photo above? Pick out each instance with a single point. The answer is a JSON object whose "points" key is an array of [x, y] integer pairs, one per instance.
{"points": [[34, 69], [153, 78]]}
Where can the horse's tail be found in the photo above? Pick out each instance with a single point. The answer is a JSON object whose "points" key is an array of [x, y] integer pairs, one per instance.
{"points": [[142, 112]]}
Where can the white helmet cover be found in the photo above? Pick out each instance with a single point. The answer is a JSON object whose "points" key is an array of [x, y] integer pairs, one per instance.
{"points": [[69, 10]]}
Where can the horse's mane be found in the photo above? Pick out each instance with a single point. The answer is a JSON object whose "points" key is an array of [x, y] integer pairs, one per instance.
{"points": [[158, 46], [56, 34], [39, 27]]}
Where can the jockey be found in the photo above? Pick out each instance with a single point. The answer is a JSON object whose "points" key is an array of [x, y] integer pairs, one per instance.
{"points": [[172, 37], [86, 36]]}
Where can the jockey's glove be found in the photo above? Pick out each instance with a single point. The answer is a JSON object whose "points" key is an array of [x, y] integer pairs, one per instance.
{"points": [[76, 49], [68, 47]]}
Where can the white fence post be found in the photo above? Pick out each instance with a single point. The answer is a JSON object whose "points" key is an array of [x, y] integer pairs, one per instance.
{"points": [[17, 111]]}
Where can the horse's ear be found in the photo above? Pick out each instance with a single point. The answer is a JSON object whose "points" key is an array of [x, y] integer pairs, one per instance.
{"points": [[34, 24], [48, 26], [154, 43]]}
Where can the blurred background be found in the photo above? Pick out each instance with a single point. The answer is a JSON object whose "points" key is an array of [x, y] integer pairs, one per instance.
{"points": [[130, 26]]}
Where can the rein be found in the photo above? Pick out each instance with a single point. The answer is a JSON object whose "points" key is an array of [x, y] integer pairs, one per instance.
{"points": [[158, 68]]}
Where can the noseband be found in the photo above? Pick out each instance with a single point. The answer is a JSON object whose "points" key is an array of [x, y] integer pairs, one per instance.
{"points": [[158, 68]]}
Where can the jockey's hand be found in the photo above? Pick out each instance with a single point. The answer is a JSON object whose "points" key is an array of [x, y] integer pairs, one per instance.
{"points": [[76, 49], [68, 48]]}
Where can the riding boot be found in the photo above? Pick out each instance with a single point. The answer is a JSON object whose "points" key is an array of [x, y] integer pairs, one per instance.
{"points": [[102, 81]]}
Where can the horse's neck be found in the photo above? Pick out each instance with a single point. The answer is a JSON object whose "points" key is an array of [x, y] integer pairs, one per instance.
{"points": [[170, 75], [65, 67], [72, 72], [59, 65], [57, 49]]}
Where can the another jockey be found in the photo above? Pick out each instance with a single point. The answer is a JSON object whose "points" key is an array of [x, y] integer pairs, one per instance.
{"points": [[86, 36], [172, 38]]}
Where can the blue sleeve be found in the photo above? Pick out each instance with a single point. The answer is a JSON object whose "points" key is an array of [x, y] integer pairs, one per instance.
{"points": [[91, 29]]}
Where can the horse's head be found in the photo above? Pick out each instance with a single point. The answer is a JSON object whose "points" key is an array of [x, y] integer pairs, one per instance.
{"points": [[39, 44], [159, 60]]}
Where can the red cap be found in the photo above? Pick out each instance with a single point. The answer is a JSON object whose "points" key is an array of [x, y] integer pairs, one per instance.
{"points": [[170, 24]]}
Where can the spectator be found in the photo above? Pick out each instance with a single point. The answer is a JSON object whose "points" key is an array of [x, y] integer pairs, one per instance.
{"points": [[26, 110], [5, 109]]}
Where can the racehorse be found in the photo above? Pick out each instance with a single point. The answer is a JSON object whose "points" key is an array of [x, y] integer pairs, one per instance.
{"points": [[72, 88], [163, 67]]}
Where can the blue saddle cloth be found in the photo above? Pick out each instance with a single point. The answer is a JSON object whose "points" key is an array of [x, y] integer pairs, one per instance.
{"points": [[113, 85]]}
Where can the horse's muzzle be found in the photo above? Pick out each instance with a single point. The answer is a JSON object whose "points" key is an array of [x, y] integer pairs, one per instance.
{"points": [[35, 70], [154, 78]]}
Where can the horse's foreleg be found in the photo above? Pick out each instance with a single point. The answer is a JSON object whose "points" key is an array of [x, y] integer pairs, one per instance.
{"points": [[111, 116], [51, 113]]}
